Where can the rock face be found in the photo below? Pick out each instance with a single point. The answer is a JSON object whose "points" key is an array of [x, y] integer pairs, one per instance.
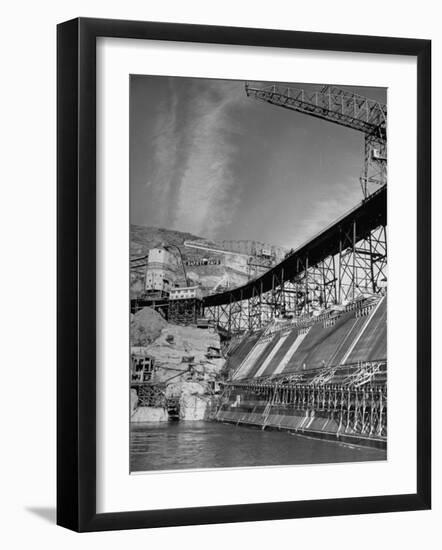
{"points": [[193, 403], [181, 361], [193, 399], [150, 414], [193, 407], [145, 327], [178, 344], [133, 400]]}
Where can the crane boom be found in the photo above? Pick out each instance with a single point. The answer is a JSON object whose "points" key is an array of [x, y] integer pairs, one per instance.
{"points": [[330, 103]]}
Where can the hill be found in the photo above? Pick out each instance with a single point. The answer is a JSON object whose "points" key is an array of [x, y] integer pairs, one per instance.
{"points": [[213, 271]]}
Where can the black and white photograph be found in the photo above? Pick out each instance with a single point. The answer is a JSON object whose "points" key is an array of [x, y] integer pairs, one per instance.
{"points": [[258, 273], [232, 317]]}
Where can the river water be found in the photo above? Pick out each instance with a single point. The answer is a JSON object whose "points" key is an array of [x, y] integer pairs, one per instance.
{"points": [[199, 444]]}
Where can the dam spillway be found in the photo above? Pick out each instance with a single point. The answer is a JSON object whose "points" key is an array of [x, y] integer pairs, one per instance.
{"points": [[323, 376]]}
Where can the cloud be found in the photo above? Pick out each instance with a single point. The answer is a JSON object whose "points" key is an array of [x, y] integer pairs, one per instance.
{"points": [[165, 152], [212, 162], [326, 210], [208, 194], [195, 187]]}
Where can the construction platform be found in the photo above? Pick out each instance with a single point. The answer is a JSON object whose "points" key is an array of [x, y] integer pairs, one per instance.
{"points": [[323, 376]]}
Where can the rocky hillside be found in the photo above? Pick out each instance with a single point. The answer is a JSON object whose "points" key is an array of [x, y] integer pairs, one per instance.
{"points": [[143, 238], [182, 363], [212, 271]]}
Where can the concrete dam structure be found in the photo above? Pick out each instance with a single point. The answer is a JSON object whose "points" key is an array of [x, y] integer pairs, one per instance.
{"points": [[305, 333], [323, 376], [308, 339], [305, 341]]}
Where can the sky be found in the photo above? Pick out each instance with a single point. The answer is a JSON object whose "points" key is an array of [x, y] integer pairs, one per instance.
{"points": [[208, 160]]}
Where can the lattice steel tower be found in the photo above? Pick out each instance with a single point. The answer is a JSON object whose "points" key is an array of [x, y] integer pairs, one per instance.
{"points": [[361, 263]]}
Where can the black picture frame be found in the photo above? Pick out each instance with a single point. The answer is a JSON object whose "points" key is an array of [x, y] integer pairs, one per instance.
{"points": [[76, 274]]}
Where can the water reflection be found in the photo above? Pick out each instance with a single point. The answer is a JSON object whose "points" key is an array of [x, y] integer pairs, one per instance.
{"points": [[188, 445]]}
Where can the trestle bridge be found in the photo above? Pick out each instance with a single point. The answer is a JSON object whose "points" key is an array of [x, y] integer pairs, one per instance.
{"points": [[345, 260]]}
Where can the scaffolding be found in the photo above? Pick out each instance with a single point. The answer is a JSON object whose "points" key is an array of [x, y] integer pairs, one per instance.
{"points": [[185, 312], [347, 260]]}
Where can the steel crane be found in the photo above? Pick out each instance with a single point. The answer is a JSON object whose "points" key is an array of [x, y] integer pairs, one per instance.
{"points": [[340, 107]]}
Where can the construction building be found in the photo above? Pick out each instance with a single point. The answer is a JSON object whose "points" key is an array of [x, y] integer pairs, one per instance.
{"points": [[185, 293], [185, 305], [160, 272]]}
